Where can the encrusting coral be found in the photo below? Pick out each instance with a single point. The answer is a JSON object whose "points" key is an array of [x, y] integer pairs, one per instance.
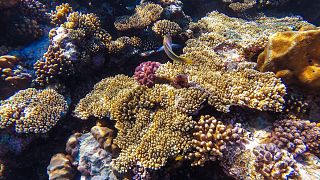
{"points": [[274, 163], [164, 27], [144, 15], [60, 167], [294, 57], [212, 138], [32, 111], [297, 136]]}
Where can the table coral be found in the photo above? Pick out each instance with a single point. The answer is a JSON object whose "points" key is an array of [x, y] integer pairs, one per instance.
{"points": [[212, 138], [274, 163], [247, 37], [164, 27], [145, 14], [60, 167], [32, 111], [294, 57], [297, 136], [13, 75]]}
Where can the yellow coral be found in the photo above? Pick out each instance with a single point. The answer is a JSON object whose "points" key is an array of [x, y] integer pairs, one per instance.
{"points": [[153, 123], [32, 111], [164, 27], [212, 138], [294, 57], [61, 13], [145, 14]]}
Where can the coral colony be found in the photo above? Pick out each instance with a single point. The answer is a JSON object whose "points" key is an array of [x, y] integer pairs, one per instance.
{"points": [[159, 89]]}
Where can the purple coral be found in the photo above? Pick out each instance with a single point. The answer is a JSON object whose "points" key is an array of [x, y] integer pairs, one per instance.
{"points": [[145, 73]]}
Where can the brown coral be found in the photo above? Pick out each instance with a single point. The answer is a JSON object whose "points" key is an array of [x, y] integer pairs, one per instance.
{"points": [[60, 167], [274, 163], [32, 111], [164, 27], [54, 65], [104, 136], [145, 14], [13, 76], [212, 138], [152, 123], [293, 56], [297, 136], [61, 13]]}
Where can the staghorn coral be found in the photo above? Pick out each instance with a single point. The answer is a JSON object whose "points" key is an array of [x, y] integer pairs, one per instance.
{"points": [[297, 136], [247, 37], [144, 74], [212, 138], [32, 111], [60, 167], [164, 27], [59, 16], [294, 57], [274, 163], [13, 76], [144, 15]]}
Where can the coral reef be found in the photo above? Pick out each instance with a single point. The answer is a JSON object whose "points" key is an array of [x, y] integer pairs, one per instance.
{"points": [[144, 15], [139, 112], [60, 167], [245, 5], [297, 136], [164, 27], [144, 74], [13, 76], [294, 57], [32, 111], [247, 38], [59, 16], [212, 138], [274, 163]]}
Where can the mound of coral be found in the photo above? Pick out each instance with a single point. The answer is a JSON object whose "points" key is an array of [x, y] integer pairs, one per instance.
{"points": [[32, 111]]}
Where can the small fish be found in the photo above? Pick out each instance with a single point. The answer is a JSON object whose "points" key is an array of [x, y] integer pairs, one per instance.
{"points": [[148, 53], [167, 44]]}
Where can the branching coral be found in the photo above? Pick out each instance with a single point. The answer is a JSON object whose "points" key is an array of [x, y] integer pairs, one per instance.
{"points": [[274, 163], [294, 56], [243, 87], [145, 73], [145, 14], [59, 16], [212, 138], [297, 136], [32, 111], [152, 123], [164, 27], [13, 76], [60, 167]]}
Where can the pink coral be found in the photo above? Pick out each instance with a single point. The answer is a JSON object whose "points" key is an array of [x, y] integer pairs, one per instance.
{"points": [[145, 73]]}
